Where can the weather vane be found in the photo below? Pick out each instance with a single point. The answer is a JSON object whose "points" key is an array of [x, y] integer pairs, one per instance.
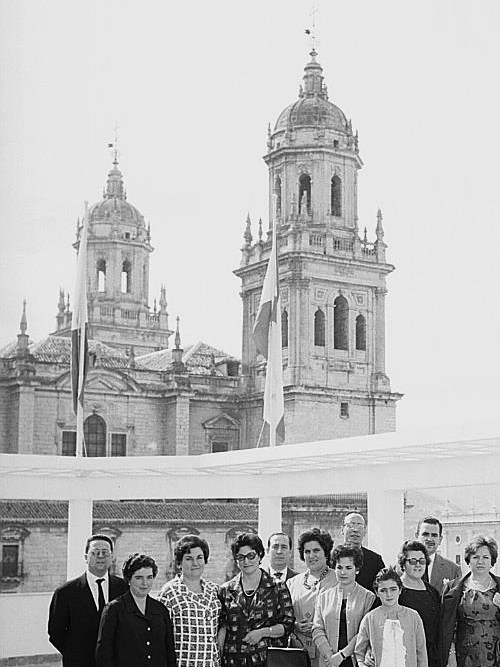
{"points": [[114, 146], [311, 32]]}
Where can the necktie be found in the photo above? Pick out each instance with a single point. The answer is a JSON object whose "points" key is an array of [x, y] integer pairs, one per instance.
{"points": [[101, 602], [278, 575], [425, 576]]}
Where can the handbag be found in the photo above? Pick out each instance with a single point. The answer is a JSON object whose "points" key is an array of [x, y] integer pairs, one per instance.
{"points": [[287, 657]]}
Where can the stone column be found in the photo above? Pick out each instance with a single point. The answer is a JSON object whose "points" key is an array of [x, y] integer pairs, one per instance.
{"points": [[26, 420], [386, 523], [79, 529], [380, 293], [269, 516], [182, 425]]}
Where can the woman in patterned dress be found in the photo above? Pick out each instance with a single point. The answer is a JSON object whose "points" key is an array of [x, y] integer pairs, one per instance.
{"points": [[256, 610], [470, 624], [194, 606], [314, 549]]}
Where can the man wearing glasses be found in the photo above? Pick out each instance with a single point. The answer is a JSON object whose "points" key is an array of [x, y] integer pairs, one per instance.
{"points": [[430, 533], [76, 606], [354, 530]]}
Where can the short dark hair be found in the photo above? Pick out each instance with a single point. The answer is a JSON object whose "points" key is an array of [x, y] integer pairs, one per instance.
{"points": [[188, 542], [322, 537], [279, 532], [136, 562], [411, 545], [344, 551], [98, 536], [481, 541], [387, 574], [433, 520], [248, 540]]}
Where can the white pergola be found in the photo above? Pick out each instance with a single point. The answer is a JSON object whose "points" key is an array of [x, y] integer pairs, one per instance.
{"points": [[384, 466]]}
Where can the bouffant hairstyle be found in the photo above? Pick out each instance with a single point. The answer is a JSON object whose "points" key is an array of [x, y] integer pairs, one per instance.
{"points": [[480, 541], [136, 562], [323, 538], [248, 540], [344, 551], [387, 574], [188, 542], [411, 545]]}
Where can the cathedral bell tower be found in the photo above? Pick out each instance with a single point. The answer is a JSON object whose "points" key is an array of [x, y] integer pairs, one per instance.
{"points": [[118, 250], [332, 281]]}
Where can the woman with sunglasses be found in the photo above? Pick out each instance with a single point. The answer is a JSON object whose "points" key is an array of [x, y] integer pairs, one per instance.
{"points": [[256, 611], [419, 595]]}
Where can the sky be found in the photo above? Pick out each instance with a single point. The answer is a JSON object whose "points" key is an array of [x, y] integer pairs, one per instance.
{"points": [[192, 88]]}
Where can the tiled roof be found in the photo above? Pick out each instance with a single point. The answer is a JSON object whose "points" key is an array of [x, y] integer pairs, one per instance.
{"points": [[200, 359], [57, 350], [136, 512]]}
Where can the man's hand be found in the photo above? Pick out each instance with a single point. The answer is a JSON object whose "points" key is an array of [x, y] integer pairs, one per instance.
{"points": [[305, 626], [369, 659]]}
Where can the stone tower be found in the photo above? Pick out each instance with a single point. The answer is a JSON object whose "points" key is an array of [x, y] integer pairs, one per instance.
{"points": [[119, 245], [332, 281]]}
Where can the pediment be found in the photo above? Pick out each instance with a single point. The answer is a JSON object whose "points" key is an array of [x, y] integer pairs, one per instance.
{"points": [[102, 380], [221, 421]]}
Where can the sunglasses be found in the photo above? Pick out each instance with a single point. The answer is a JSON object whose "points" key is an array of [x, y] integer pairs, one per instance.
{"points": [[416, 561], [251, 555]]}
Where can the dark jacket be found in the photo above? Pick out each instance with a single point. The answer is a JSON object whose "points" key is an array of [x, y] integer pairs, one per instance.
{"points": [[452, 594], [443, 569], [430, 615], [74, 620], [127, 638], [372, 564], [271, 604]]}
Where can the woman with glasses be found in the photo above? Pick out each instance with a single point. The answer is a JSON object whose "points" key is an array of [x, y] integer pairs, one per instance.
{"points": [[314, 549], [419, 595], [256, 610], [193, 604]]}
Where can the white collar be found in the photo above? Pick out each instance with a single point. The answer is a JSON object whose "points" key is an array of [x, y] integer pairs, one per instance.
{"points": [[91, 578]]}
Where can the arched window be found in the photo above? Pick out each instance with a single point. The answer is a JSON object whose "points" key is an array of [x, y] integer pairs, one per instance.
{"points": [[360, 333], [319, 328], [94, 434], [336, 196], [305, 193], [101, 275], [284, 328], [277, 192], [126, 285], [340, 323]]}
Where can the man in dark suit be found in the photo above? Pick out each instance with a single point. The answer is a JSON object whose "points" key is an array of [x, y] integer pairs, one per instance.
{"points": [[354, 530], [430, 533], [76, 606], [279, 553]]}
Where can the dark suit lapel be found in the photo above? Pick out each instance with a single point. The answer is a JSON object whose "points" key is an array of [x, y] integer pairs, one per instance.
{"points": [[87, 599], [437, 572]]}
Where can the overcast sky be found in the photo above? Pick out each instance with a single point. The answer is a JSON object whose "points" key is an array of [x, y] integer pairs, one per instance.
{"points": [[192, 86]]}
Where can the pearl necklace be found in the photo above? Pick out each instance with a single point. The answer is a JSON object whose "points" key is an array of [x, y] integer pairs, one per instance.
{"points": [[312, 587]]}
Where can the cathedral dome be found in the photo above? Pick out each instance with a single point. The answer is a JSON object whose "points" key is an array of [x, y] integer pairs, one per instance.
{"points": [[114, 202], [312, 109]]}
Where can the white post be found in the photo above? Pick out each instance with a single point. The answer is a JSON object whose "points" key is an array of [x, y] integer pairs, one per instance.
{"points": [[79, 529], [386, 523], [269, 516]]}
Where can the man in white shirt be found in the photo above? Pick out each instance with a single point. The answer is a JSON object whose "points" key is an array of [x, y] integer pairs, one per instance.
{"points": [[430, 533], [279, 553], [76, 606]]}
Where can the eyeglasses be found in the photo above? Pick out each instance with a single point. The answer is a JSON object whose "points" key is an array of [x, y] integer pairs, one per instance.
{"points": [[100, 552], [416, 561], [352, 524], [251, 555]]}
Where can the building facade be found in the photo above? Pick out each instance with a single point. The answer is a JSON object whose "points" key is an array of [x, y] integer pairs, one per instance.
{"points": [[147, 396]]}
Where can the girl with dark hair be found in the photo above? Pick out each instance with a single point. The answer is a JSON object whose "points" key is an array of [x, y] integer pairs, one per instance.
{"points": [[314, 549], [339, 610], [135, 629], [256, 610], [420, 595], [393, 634], [194, 605]]}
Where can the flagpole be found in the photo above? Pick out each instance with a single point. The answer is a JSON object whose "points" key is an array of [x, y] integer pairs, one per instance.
{"points": [[79, 336]]}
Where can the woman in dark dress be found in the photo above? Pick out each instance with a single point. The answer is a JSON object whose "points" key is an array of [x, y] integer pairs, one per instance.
{"points": [[419, 595], [135, 629]]}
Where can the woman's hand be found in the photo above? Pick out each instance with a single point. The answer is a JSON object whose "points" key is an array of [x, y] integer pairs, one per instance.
{"points": [[255, 636], [221, 638], [334, 660], [305, 626]]}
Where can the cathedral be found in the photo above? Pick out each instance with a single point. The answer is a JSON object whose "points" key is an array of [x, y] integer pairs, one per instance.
{"points": [[146, 394]]}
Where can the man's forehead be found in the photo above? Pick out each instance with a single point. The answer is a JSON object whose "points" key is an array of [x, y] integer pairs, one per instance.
{"points": [[429, 528], [279, 539], [356, 519], [99, 544]]}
